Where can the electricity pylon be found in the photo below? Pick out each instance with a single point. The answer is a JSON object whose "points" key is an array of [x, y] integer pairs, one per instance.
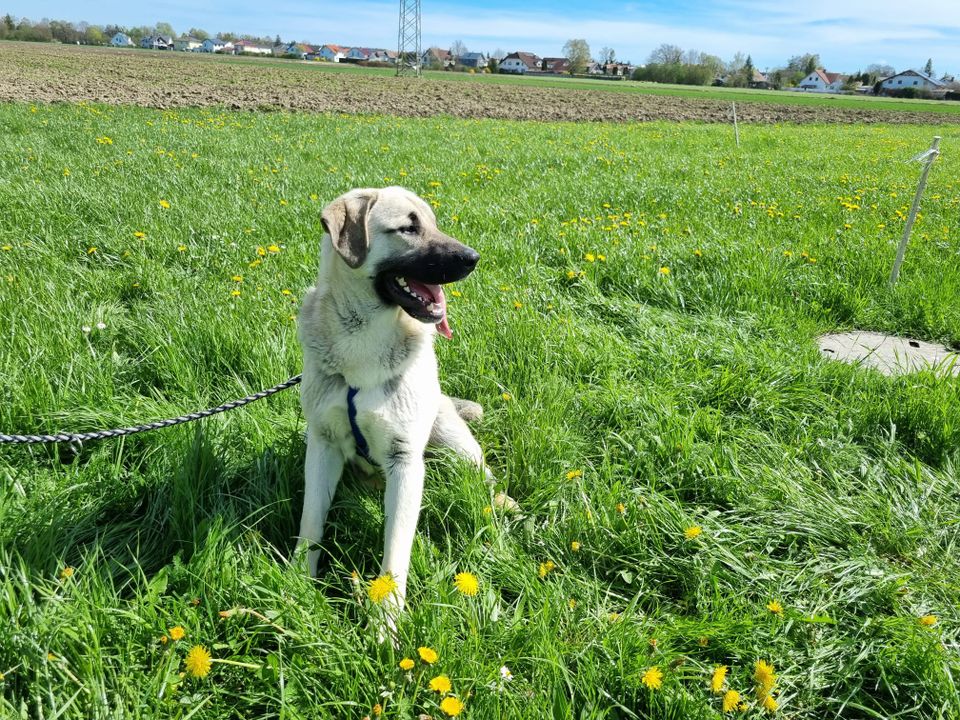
{"points": [[408, 41]]}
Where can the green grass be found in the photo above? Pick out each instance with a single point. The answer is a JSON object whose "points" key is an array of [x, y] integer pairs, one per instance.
{"points": [[690, 398]]}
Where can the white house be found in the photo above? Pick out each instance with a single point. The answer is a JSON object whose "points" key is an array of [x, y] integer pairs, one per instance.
{"points": [[121, 40], [245, 47], [357, 54], [213, 45], [333, 53], [519, 63], [157, 42], [822, 81], [912, 79], [187, 44]]}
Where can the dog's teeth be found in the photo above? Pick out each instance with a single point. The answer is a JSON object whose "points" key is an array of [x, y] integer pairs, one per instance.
{"points": [[402, 282]]}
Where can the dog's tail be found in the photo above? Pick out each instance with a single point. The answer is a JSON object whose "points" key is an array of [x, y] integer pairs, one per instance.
{"points": [[467, 409]]}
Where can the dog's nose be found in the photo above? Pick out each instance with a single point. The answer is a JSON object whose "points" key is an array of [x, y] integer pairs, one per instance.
{"points": [[470, 258]]}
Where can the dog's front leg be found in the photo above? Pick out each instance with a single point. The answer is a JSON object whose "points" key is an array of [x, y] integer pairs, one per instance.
{"points": [[322, 471], [404, 471]]}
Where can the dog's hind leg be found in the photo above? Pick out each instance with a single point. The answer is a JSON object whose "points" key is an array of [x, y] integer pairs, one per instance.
{"points": [[322, 471]]}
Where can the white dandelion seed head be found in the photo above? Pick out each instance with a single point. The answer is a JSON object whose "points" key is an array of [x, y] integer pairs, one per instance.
{"points": [[101, 326], [85, 329]]}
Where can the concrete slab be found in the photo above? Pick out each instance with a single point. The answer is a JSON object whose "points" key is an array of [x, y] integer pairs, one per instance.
{"points": [[889, 354]]}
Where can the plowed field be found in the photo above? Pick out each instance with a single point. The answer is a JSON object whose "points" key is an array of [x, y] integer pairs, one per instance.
{"points": [[57, 73]]}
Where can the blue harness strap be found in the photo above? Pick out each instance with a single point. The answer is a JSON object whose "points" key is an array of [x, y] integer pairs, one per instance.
{"points": [[363, 450]]}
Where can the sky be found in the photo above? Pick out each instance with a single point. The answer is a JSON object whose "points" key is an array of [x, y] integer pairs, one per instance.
{"points": [[848, 35]]}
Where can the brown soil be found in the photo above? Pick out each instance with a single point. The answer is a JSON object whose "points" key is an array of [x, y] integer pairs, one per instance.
{"points": [[38, 72]]}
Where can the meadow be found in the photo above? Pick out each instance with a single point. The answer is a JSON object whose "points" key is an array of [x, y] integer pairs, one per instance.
{"points": [[700, 488]]}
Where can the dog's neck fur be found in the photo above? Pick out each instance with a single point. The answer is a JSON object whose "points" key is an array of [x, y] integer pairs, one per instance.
{"points": [[365, 341]]}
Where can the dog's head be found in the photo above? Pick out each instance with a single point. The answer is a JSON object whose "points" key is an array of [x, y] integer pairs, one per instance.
{"points": [[391, 236]]}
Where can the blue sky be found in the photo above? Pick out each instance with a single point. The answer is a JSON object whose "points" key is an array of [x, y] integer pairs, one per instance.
{"points": [[847, 34]]}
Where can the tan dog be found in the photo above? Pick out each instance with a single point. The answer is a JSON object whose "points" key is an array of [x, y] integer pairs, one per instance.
{"points": [[370, 390]]}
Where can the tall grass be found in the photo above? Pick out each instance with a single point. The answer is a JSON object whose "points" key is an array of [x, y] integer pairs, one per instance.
{"points": [[640, 331]]}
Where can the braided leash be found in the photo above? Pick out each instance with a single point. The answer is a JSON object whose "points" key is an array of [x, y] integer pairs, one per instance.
{"points": [[77, 438]]}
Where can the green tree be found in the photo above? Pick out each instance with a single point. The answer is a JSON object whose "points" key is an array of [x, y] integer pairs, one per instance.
{"points": [[928, 68], [577, 53], [199, 33], [164, 28]]}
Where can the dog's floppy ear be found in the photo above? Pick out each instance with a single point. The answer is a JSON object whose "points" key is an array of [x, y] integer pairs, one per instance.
{"points": [[345, 220]]}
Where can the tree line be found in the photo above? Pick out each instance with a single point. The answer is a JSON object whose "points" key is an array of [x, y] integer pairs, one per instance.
{"points": [[83, 33]]}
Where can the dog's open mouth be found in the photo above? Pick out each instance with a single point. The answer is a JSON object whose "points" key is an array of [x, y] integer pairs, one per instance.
{"points": [[422, 301]]}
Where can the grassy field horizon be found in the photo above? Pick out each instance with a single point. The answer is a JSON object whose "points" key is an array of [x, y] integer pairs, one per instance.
{"points": [[701, 489]]}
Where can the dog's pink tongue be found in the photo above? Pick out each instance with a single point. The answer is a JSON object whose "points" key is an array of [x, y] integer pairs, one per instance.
{"points": [[435, 294], [443, 327]]}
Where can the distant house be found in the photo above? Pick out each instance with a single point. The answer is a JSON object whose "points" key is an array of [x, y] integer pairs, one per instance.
{"points": [[121, 40], [912, 79], [519, 63], [760, 81], [157, 42], [617, 69], [822, 81], [358, 54], [294, 50], [246, 47], [187, 44], [557, 66], [333, 53], [384, 56], [474, 60], [437, 57], [216, 45]]}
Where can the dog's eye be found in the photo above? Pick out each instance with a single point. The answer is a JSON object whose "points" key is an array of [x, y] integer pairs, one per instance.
{"points": [[407, 230]]}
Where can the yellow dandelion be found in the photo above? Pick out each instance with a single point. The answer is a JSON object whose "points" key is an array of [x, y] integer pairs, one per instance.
{"points": [[286, 292], [572, 604], [456, 293], [574, 474], [621, 508], [928, 620], [613, 617], [165, 205], [575, 546], [506, 396], [652, 678], [164, 639], [769, 704], [694, 531], [66, 172], [177, 632], [382, 587], [517, 305], [440, 684], [261, 251], [703, 641], [91, 250], [763, 673], [406, 664], [451, 706], [718, 679], [198, 661], [67, 572], [181, 248], [235, 293], [466, 583], [590, 257], [273, 248], [428, 655], [237, 278], [731, 700], [546, 568], [377, 710], [664, 270], [601, 258], [775, 607], [139, 235], [698, 252], [51, 657]]}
